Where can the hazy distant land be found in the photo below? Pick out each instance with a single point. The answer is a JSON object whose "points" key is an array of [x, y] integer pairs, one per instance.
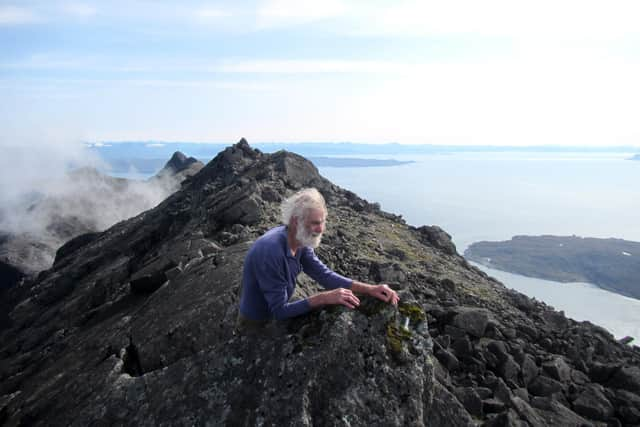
{"points": [[348, 162], [151, 166], [636, 157], [147, 157], [612, 264]]}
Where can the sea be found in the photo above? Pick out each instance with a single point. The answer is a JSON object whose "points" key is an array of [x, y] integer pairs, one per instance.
{"points": [[493, 196]]}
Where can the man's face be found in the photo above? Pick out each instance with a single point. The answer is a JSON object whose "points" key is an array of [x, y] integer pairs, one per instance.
{"points": [[309, 233]]}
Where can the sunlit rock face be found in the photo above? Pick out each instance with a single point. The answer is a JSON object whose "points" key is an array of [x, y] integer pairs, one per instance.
{"points": [[135, 326]]}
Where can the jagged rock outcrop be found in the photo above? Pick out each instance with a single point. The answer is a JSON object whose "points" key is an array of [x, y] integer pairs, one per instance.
{"points": [[87, 201], [179, 167], [135, 326]]}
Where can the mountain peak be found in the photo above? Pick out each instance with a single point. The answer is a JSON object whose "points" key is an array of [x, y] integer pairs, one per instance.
{"points": [[179, 162]]}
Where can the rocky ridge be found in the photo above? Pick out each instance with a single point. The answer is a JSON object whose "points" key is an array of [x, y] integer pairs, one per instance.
{"points": [[89, 201], [134, 326]]}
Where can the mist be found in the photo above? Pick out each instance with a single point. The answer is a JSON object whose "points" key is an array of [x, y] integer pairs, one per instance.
{"points": [[52, 194]]}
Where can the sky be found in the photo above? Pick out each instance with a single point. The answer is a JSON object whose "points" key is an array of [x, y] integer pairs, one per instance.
{"points": [[464, 72]]}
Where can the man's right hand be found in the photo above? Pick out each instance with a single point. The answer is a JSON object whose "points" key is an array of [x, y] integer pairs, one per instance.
{"points": [[339, 296]]}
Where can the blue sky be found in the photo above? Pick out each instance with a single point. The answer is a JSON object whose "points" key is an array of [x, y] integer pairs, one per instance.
{"points": [[456, 72]]}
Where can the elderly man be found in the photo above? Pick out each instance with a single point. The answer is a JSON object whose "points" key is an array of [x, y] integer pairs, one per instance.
{"points": [[276, 258]]}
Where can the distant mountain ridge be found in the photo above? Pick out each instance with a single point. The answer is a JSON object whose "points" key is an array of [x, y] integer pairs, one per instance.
{"points": [[613, 264]]}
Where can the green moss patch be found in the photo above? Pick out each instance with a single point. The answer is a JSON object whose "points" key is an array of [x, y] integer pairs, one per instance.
{"points": [[413, 311], [395, 336]]}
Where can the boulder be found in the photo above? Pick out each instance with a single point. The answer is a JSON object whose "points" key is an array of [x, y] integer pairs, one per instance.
{"points": [[544, 386], [593, 404], [470, 400], [529, 369], [472, 320], [557, 369], [627, 378], [438, 238]]}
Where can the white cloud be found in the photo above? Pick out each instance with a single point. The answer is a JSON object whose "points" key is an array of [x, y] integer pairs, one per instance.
{"points": [[276, 13], [211, 13], [12, 15], [308, 66], [566, 19], [79, 10]]}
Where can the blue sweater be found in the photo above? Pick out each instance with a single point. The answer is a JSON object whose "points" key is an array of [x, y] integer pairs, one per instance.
{"points": [[269, 277]]}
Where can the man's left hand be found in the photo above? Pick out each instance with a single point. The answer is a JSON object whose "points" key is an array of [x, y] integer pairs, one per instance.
{"points": [[384, 293]]}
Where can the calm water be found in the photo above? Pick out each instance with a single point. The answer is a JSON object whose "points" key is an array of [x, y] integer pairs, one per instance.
{"points": [[494, 196]]}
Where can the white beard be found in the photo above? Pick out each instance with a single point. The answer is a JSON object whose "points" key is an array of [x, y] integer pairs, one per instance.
{"points": [[305, 238]]}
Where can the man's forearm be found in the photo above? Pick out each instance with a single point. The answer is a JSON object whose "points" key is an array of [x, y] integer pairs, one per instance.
{"points": [[317, 300], [361, 288]]}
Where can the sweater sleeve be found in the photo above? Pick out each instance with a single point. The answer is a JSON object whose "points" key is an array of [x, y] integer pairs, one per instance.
{"points": [[322, 274], [273, 282]]}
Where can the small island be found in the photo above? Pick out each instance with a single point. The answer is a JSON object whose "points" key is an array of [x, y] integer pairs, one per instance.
{"points": [[636, 157], [612, 264], [352, 162]]}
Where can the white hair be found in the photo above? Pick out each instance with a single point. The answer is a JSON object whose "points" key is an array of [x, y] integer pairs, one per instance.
{"points": [[298, 205]]}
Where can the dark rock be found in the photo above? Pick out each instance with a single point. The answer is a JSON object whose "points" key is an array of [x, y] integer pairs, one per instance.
{"points": [[501, 391], [544, 386], [527, 413], [148, 283], [593, 404], [522, 301], [579, 377], [387, 273], [472, 320], [499, 349], [153, 275], [522, 393], [555, 319], [74, 244], [629, 414], [505, 419], [438, 238], [243, 210], [447, 359], [626, 340], [627, 405], [484, 392], [490, 406], [627, 378], [462, 346], [446, 410], [270, 194], [470, 400], [173, 272], [179, 162], [509, 370], [528, 331], [454, 332], [555, 413], [602, 372], [558, 369], [529, 370]]}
